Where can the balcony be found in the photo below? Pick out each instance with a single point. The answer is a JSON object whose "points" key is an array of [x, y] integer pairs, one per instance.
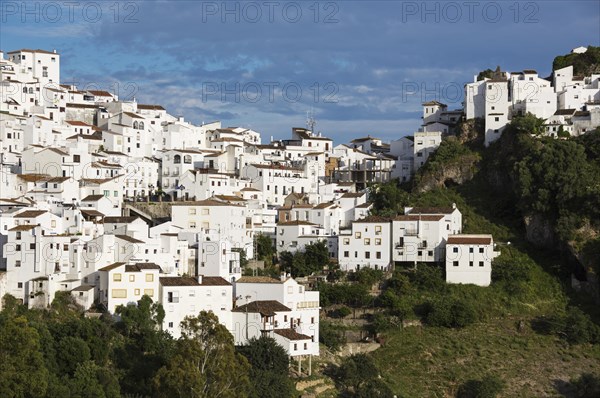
{"points": [[268, 326]]}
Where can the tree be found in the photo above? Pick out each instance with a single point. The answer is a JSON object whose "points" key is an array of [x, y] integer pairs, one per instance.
{"points": [[355, 371], [303, 263], [146, 348], [93, 381], [23, 372], [205, 363], [264, 248], [388, 199], [269, 373], [331, 335], [529, 124]]}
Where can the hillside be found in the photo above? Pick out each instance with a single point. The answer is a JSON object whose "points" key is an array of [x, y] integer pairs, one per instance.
{"points": [[531, 332], [583, 64]]}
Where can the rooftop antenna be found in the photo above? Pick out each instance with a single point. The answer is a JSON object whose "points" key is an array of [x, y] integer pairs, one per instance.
{"points": [[310, 120]]}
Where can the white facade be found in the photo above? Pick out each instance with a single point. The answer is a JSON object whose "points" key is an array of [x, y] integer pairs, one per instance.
{"points": [[185, 296], [469, 259]]}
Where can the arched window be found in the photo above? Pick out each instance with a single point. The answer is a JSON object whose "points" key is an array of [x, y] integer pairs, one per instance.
{"points": [[141, 125], [24, 90], [187, 159], [177, 159], [30, 90], [135, 125]]}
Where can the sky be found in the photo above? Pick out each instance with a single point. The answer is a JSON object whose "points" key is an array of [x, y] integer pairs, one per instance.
{"points": [[358, 67]]}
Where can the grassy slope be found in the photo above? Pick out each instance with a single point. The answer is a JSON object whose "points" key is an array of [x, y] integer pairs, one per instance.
{"points": [[432, 362]]}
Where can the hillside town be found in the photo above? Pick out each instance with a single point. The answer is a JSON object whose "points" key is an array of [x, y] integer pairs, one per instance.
{"points": [[113, 200]]}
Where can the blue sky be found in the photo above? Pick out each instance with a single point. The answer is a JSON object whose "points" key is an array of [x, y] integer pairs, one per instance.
{"points": [[362, 67]]}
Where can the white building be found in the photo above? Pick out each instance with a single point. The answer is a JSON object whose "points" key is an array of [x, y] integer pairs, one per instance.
{"points": [[366, 245], [124, 284], [186, 296], [469, 259], [291, 315]]}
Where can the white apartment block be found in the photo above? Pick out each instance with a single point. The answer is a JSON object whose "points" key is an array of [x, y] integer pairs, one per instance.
{"points": [[183, 297], [124, 284], [469, 259], [296, 313], [366, 245]]}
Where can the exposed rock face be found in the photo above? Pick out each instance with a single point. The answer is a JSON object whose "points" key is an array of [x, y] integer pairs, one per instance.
{"points": [[540, 231], [456, 172], [471, 131]]}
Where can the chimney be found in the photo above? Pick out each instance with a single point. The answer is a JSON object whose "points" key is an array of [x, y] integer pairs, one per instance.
{"points": [[200, 279], [54, 51], [453, 205], [283, 277]]}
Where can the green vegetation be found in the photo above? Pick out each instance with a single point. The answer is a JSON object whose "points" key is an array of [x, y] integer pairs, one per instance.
{"points": [[314, 258], [488, 387], [528, 329], [269, 373], [264, 249], [583, 64], [331, 335], [61, 353], [357, 376], [586, 386]]}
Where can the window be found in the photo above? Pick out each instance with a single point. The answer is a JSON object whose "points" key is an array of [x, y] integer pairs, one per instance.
{"points": [[430, 253], [149, 277], [117, 277], [378, 255], [377, 241], [357, 235], [170, 324], [119, 293], [192, 211], [470, 250], [496, 119], [131, 278], [470, 263], [420, 252], [205, 212], [149, 292], [377, 229], [455, 250], [17, 263], [455, 263], [295, 347], [285, 318], [136, 292], [481, 250], [18, 248], [346, 241], [367, 254], [367, 241], [306, 346], [19, 285], [346, 254], [173, 297], [481, 263]]}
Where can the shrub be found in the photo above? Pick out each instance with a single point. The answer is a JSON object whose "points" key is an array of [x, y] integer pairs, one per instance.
{"points": [[488, 387], [586, 386], [341, 312], [331, 335], [453, 313]]}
